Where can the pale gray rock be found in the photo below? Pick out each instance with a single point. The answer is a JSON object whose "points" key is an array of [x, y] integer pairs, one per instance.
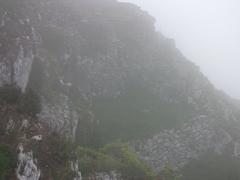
{"points": [[27, 168]]}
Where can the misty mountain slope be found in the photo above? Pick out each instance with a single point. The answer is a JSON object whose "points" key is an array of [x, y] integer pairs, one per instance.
{"points": [[103, 74]]}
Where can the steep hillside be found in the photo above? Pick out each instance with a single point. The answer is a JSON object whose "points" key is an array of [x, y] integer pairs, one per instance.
{"points": [[97, 72]]}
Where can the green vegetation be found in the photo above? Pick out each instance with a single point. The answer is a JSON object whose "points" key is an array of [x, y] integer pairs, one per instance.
{"points": [[132, 167], [61, 148], [7, 162], [113, 157], [92, 161]]}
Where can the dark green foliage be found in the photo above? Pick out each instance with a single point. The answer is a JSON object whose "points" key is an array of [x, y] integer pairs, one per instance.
{"points": [[92, 161], [212, 167], [62, 152], [9, 93], [30, 103], [7, 162], [113, 157], [131, 168], [61, 148]]}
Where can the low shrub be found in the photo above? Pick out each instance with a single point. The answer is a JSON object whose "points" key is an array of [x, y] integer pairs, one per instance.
{"points": [[61, 148], [92, 161], [131, 167], [113, 157]]}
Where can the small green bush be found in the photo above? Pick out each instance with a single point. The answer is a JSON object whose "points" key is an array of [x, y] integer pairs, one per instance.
{"points": [[92, 161], [113, 157], [60, 147], [7, 162], [9, 93], [131, 168]]}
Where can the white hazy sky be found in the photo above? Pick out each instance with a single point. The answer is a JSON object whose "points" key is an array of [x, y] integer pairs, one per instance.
{"points": [[207, 32]]}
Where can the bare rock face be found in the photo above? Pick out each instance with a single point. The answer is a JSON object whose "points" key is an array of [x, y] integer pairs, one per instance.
{"points": [[23, 68], [35, 147], [176, 147], [17, 46], [27, 166], [60, 117], [76, 171], [105, 176]]}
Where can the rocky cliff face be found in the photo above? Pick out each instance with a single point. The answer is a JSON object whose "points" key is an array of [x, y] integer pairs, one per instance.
{"points": [[86, 57], [177, 147], [36, 148]]}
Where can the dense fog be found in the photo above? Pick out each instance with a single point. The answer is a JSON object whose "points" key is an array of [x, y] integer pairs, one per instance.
{"points": [[207, 32]]}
